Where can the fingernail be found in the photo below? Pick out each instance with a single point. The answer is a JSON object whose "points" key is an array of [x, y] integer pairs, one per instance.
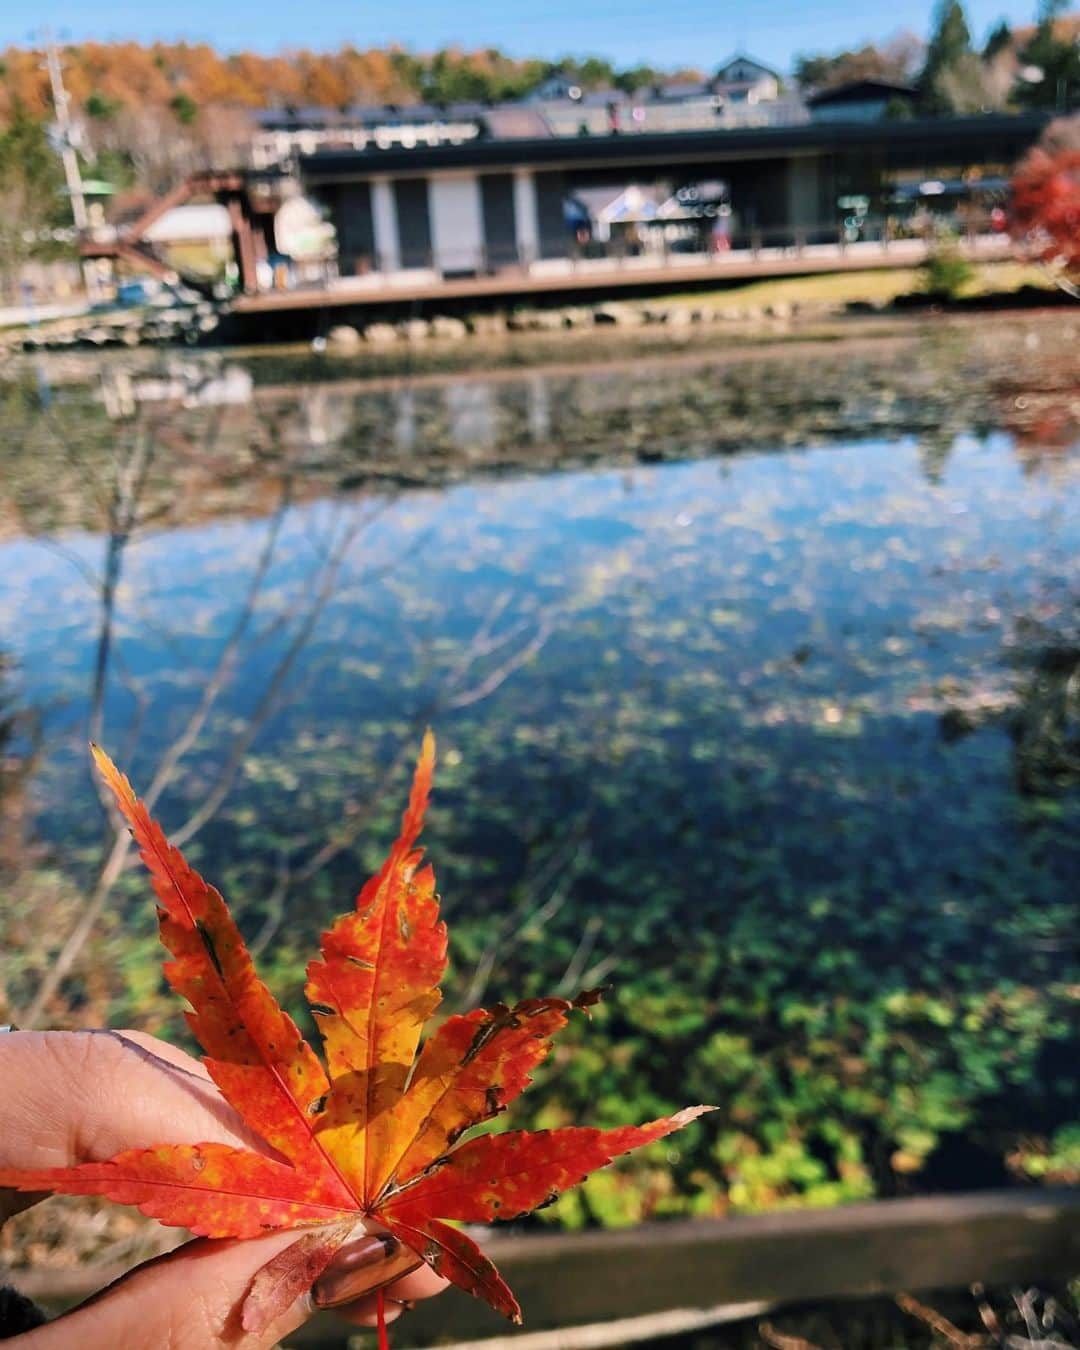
{"points": [[361, 1267]]}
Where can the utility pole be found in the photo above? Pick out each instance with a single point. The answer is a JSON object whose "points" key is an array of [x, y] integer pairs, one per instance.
{"points": [[62, 105], [68, 157]]}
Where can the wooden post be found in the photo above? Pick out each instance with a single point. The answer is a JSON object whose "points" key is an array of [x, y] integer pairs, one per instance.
{"points": [[243, 245]]}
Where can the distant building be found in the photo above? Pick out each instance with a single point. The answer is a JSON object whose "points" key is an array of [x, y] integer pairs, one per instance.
{"points": [[743, 93], [283, 133], [199, 223], [744, 80], [515, 121], [554, 88], [861, 101], [541, 204], [679, 91], [197, 233]]}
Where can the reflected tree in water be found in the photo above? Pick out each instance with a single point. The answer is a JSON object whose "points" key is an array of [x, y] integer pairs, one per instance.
{"points": [[689, 715], [118, 483], [1045, 722]]}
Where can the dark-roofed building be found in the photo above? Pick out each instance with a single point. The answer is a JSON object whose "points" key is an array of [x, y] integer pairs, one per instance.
{"points": [[494, 202], [515, 121], [674, 90], [283, 133], [861, 101]]}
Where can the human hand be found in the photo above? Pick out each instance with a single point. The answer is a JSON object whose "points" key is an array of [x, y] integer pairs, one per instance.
{"points": [[74, 1097]]}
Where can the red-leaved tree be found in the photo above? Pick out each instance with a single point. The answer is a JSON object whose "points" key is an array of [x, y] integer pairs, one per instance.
{"points": [[1046, 211]]}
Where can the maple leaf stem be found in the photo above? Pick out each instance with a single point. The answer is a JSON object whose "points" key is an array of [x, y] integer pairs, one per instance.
{"points": [[380, 1312]]}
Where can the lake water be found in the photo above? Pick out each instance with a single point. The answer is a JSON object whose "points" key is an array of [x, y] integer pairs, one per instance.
{"points": [[763, 713]]}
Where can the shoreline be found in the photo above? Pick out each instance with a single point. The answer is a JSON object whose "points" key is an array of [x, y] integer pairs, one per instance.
{"points": [[549, 351], [825, 301], [388, 422]]}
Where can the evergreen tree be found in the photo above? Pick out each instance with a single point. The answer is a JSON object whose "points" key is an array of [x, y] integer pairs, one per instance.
{"points": [[1055, 62], [999, 39], [949, 50], [637, 77], [31, 199]]}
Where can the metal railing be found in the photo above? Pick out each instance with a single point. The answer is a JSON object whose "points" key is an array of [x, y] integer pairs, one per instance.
{"points": [[648, 253]]}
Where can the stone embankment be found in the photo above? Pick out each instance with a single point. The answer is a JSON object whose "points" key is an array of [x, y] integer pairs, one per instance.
{"points": [[188, 323], [197, 322], [344, 339]]}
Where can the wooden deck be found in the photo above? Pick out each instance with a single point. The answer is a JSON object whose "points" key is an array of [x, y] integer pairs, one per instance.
{"points": [[607, 276]]}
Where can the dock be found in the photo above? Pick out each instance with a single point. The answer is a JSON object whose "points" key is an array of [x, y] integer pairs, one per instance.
{"points": [[561, 279]]}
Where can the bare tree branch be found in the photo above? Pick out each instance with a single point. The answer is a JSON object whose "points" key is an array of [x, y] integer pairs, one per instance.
{"points": [[225, 666], [939, 1324], [571, 980], [487, 686], [779, 1340], [64, 960], [267, 705], [562, 866]]}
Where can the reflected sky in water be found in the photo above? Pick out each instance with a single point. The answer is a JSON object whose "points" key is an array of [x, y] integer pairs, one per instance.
{"points": [[774, 737], [829, 602]]}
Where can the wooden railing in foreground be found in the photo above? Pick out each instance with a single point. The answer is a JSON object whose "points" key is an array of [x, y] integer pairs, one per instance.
{"points": [[660, 1279]]}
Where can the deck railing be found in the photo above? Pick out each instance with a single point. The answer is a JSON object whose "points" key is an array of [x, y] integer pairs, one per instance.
{"points": [[606, 1288], [566, 257]]}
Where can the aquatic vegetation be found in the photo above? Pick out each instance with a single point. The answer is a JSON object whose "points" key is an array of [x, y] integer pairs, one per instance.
{"points": [[761, 710]]}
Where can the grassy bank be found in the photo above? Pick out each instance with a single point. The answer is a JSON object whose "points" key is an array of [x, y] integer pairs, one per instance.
{"points": [[875, 287]]}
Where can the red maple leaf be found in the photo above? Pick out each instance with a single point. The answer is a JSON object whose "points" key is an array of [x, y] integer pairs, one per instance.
{"points": [[374, 1133]]}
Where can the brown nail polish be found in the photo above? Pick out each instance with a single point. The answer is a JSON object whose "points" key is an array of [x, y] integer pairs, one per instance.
{"points": [[361, 1267]]}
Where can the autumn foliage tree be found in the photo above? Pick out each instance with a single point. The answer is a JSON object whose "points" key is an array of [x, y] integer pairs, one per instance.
{"points": [[153, 113], [30, 200], [1046, 206], [895, 60], [136, 76]]}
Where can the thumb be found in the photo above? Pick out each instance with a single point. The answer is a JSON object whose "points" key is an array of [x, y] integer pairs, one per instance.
{"points": [[189, 1299]]}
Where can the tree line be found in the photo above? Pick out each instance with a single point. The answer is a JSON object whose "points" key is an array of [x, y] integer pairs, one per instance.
{"points": [[1033, 67], [1036, 66], [183, 77]]}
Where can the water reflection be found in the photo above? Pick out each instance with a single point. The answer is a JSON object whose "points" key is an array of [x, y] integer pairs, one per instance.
{"points": [[739, 733]]}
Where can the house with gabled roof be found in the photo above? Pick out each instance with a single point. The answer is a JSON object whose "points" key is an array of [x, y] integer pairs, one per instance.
{"points": [[742, 79]]}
